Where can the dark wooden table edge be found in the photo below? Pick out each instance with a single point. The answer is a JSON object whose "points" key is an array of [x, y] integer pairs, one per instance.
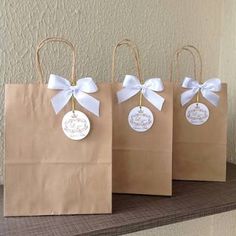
{"points": [[155, 223]]}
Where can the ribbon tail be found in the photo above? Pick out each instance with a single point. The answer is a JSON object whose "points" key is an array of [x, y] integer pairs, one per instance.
{"points": [[88, 102], [60, 100], [125, 94], [211, 97], [154, 98], [187, 96]]}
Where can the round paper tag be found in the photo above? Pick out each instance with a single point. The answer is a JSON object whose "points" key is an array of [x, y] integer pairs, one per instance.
{"points": [[140, 119], [197, 114], [75, 125]]}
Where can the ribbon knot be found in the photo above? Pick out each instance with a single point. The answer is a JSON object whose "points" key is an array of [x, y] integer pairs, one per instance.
{"points": [[132, 86], [207, 90], [142, 88], [73, 88], [79, 91]]}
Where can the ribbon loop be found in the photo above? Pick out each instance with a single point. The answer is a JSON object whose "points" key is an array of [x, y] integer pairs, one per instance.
{"points": [[132, 86], [79, 91], [207, 90]]}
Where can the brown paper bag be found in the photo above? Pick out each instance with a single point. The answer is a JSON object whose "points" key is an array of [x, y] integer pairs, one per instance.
{"points": [[142, 162], [46, 173], [199, 151]]}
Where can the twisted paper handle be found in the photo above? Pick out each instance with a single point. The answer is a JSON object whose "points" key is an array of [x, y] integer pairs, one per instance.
{"points": [[39, 66], [135, 52], [192, 50]]}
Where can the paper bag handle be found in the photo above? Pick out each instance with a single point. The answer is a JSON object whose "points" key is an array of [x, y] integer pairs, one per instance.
{"points": [[135, 52], [136, 55], [55, 39], [192, 50]]}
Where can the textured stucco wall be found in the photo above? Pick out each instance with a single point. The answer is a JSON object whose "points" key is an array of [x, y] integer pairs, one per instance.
{"points": [[228, 69], [158, 27]]}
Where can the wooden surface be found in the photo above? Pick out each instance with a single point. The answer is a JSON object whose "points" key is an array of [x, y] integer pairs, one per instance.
{"points": [[132, 212]]}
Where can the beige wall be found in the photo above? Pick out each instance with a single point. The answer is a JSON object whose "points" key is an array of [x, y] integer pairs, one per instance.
{"points": [[227, 69]]}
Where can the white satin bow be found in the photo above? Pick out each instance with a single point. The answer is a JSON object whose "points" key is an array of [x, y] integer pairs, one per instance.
{"points": [[207, 90], [132, 86], [79, 91]]}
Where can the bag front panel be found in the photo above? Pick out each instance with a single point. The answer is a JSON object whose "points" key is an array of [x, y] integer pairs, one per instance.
{"points": [[41, 163], [199, 152], [141, 160]]}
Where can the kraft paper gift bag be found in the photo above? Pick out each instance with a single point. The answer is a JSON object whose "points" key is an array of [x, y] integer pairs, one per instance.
{"points": [[200, 126], [53, 163], [142, 132]]}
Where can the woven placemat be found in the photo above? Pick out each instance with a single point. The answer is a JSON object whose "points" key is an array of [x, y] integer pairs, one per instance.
{"points": [[132, 212]]}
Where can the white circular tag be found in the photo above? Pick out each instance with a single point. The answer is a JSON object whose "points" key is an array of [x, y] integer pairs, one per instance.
{"points": [[197, 114], [75, 125], [140, 119]]}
